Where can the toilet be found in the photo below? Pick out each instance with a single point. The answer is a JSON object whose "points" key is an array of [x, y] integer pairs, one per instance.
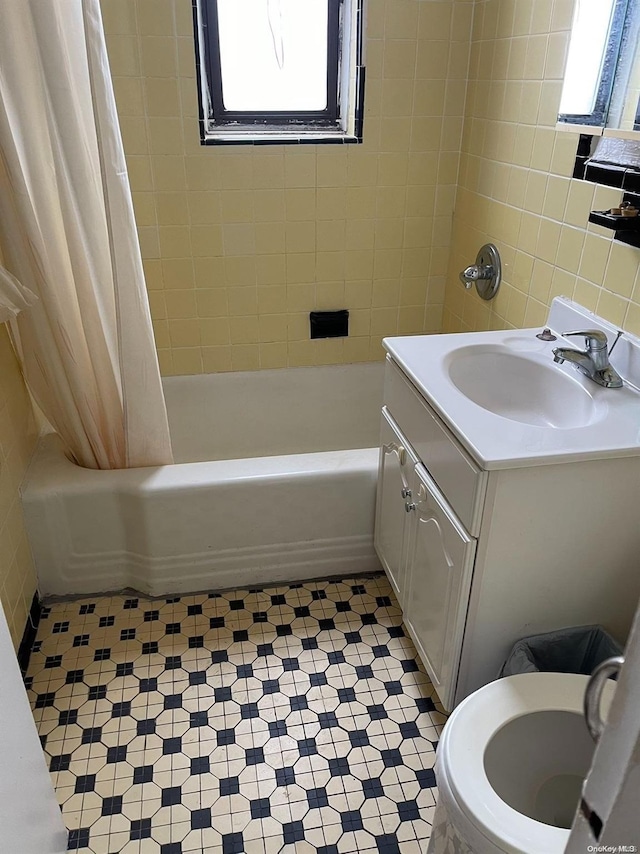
{"points": [[510, 766]]}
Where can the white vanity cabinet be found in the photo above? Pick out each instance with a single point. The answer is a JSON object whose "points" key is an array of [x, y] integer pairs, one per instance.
{"points": [[480, 558], [425, 549]]}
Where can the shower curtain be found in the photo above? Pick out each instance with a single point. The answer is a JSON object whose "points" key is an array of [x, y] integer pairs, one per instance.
{"points": [[69, 242]]}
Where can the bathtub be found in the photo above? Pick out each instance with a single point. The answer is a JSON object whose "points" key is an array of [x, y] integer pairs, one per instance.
{"points": [[274, 480]]}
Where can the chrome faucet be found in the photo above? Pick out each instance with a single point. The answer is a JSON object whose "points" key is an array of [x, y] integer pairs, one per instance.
{"points": [[593, 361]]}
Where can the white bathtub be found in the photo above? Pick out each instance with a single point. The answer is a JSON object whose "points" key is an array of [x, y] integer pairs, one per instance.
{"points": [[274, 480]]}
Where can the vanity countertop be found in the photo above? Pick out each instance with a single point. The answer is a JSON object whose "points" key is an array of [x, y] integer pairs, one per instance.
{"points": [[576, 419]]}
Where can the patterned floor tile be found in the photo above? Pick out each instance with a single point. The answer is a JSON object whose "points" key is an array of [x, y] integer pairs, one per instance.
{"points": [[288, 719]]}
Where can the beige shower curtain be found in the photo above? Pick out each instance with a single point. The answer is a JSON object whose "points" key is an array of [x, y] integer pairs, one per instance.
{"points": [[67, 234]]}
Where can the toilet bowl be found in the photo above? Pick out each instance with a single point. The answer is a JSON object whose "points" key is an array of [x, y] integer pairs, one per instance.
{"points": [[510, 766]]}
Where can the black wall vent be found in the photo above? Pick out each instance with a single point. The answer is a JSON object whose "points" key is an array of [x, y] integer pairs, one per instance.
{"points": [[329, 324]]}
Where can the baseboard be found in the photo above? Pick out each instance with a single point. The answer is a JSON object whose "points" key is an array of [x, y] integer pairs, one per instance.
{"points": [[29, 634]]}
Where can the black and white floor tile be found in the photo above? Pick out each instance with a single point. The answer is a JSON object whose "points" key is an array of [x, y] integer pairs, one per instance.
{"points": [[290, 719]]}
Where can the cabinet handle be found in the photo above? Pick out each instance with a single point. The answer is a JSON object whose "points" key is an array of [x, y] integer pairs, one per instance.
{"points": [[406, 492], [408, 506], [392, 448], [430, 517]]}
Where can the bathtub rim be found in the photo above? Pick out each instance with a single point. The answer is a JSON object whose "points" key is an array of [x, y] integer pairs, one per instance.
{"points": [[51, 468]]}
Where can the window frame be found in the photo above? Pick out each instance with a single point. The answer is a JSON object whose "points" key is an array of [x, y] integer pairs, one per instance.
{"points": [[598, 116], [219, 125]]}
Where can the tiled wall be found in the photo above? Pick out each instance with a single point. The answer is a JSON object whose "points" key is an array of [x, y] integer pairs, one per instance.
{"points": [[17, 441], [514, 186], [240, 244]]}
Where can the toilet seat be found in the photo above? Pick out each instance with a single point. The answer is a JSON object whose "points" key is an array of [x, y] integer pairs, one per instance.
{"points": [[462, 748]]}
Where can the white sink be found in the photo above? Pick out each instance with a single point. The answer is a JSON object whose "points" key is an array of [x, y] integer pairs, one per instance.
{"points": [[511, 405], [521, 387]]}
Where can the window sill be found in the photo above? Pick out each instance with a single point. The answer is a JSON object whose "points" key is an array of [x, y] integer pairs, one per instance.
{"points": [[276, 136], [593, 130], [567, 127]]}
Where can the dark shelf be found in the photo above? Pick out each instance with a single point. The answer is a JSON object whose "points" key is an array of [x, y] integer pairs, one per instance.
{"points": [[626, 228], [617, 223]]}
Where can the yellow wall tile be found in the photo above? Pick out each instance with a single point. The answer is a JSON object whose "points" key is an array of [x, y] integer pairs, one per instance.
{"points": [[171, 209], [237, 239], [161, 96], [212, 303], [300, 170], [236, 206], [329, 296], [330, 266], [579, 203], [243, 301], [269, 205], [272, 327], [214, 331], [236, 172], [331, 170], [245, 357], [632, 320], [517, 55], [165, 135], [18, 436], [119, 17], [273, 355], [271, 269], [186, 360], [153, 273], [134, 134], [180, 304], [167, 172], [622, 270], [300, 204], [612, 306], [215, 359], [165, 361], [300, 297], [298, 325], [175, 241], [155, 17], [158, 56], [270, 238], [356, 349], [244, 329], [356, 218], [300, 237], [184, 333], [535, 313], [331, 203], [144, 205], [209, 272], [268, 172], [124, 57], [129, 95], [178, 273], [570, 248]]}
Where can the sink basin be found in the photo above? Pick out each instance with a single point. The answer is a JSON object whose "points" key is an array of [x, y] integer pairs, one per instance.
{"points": [[521, 387], [509, 405]]}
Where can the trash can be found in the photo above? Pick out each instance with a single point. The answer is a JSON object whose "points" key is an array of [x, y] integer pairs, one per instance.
{"points": [[578, 649]]}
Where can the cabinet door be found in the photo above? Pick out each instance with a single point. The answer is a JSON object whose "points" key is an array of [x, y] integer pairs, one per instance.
{"points": [[395, 488], [439, 567]]}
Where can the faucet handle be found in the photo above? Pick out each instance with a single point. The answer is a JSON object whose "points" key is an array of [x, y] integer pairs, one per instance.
{"points": [[596, 340]]}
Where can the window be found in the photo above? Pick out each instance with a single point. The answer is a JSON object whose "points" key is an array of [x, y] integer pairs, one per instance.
{"points": [[280, 70], [601, 64]]}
